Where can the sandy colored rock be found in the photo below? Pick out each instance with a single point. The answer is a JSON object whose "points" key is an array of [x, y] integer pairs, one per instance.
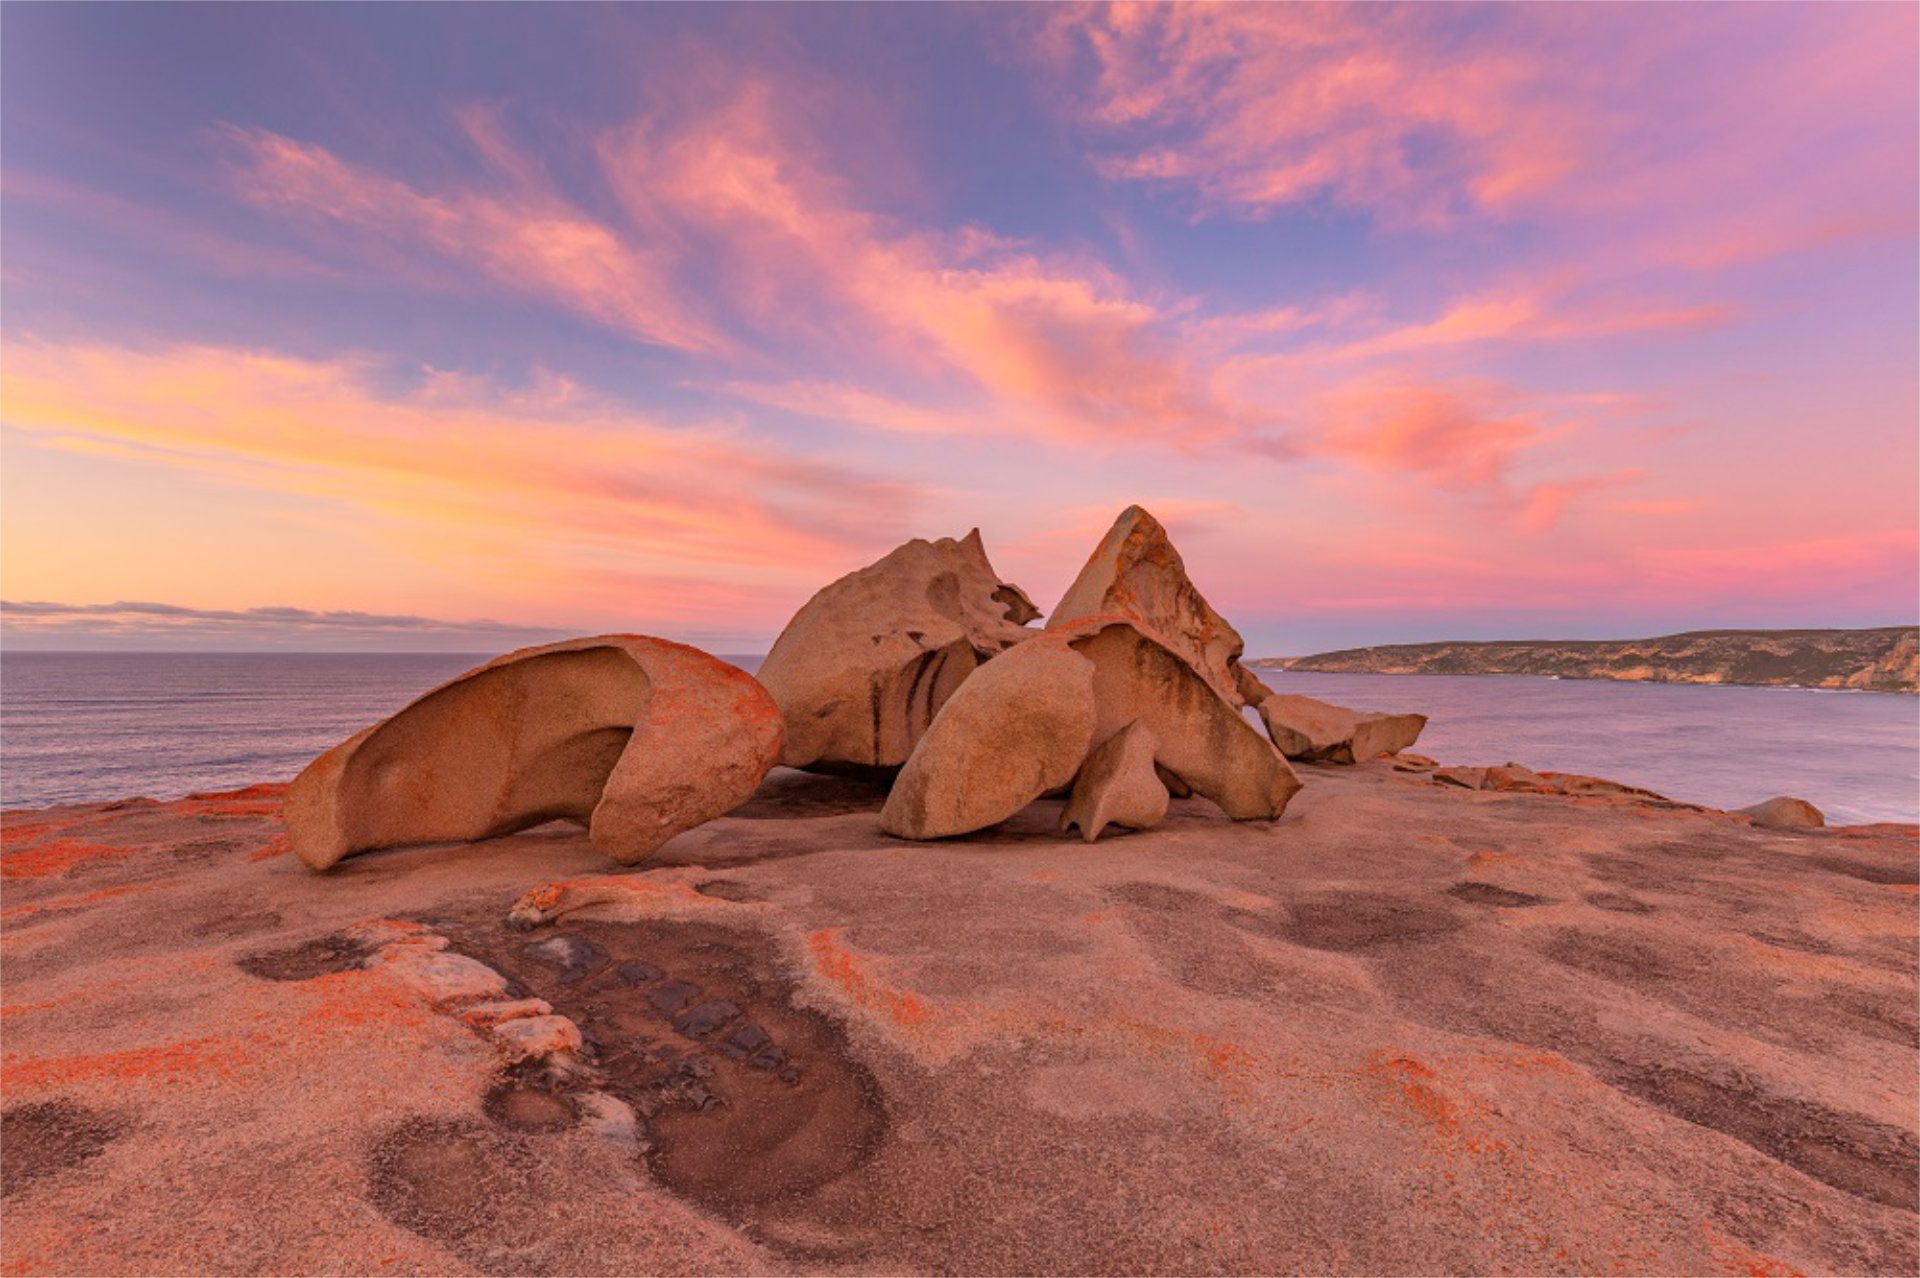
{"points": [[1319, 731], [1020, 727], [1136, 573], [1581, 784], [637, 738], [864, 666], [1466, 1035], [995, 748], [1118, 786], [1465, 778], [1516, 778], [1784, 813]]}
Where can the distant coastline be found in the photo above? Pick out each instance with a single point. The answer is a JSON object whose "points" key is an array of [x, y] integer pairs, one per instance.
{"points": [[1879, 660]]}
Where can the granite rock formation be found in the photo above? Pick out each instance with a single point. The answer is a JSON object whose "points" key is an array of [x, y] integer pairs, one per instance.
{"points": [[1136, 573], [1321, 732], [638, 739], [863, 667]]}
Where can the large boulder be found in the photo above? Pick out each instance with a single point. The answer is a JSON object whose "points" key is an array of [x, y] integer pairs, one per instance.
{"points": [[1321, 732], [638, 739], [1027, 723], [862, 669], [1136, 573]]}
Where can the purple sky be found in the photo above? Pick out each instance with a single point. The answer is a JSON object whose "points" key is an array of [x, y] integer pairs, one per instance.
{"points": [[1411, 323]]}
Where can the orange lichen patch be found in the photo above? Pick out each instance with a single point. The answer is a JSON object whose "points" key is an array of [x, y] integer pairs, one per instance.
{"points": [[639, 896], [42, 860], [279, 845], [78, 901], [848, 974], [1493, 858], [1043, 876], [1408, 1084], [1735, 1257], [1896, 831], [1097, 917], [200, 1057]]}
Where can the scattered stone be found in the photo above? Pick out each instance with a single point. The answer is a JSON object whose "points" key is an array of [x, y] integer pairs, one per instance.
{"points": [[1515, 778], [486, 1016], [1577, 784], [1136, 573], [1784, 813], [1318, 731], [1465, 778], [637, 738], [864, 666], [443, 979], [537, 1037], [1118, 786]]}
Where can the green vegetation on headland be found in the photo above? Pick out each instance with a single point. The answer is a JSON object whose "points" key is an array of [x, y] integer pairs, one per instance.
{"points": [[1882, 660]]}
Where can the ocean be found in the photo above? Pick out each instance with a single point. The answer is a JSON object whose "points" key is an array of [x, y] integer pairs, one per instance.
{"points": [[85, 727]]}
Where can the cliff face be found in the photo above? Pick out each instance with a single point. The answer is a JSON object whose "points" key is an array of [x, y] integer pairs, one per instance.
{"points": [[1886, 660]]}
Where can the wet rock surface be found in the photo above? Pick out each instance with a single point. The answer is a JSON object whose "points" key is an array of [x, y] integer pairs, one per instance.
{"points": [[46, 1138]]}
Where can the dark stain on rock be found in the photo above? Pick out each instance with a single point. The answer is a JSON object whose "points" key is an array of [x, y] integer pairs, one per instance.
{"points": [[1493, 894], [1906, 874], [1618, 903], [1852, 1153], [573, 957], [45, 1137], [1358, 921], [463, 1186], [322, 956], [729, 890], [521, 1104], [751, 1102]]}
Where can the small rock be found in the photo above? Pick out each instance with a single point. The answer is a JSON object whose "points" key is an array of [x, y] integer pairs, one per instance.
{"points": [[1784, 813], [536, 1036], [483, 1016]]}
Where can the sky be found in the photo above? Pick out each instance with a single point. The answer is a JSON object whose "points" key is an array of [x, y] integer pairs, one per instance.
{"points": [[467, 326]]}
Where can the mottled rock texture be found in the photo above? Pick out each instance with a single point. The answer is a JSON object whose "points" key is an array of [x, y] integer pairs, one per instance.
{"points": [[864, 666], [1321, 732], [636, 738]]}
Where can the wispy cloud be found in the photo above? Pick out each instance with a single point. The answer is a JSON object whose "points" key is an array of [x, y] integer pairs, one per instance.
{"points": [[545, 482]]}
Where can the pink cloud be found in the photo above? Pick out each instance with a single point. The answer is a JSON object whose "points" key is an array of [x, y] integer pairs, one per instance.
{"points": [[549, 485], [528, 239]]}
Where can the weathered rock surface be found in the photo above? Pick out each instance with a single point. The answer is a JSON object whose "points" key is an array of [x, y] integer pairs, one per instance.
{"points": [[997, 746], [1136, 573], [1118, 785], [864, 666], [1466, 1033], [1321, 732], [1020, 727], [639, 739], [1785, 813]]}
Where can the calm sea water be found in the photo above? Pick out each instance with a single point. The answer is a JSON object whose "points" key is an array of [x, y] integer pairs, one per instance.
{"points": [[78, 727]]}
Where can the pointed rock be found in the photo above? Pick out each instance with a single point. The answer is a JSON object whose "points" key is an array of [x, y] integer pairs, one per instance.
{"points": [[1118, 786], [1321, 732], [1136, 573], [864, 666], [637, 738]]}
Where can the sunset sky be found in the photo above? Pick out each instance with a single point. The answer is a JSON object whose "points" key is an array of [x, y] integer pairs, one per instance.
{"points": [[349, 326]]}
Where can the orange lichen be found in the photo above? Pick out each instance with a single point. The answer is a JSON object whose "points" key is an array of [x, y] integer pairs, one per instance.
{"points": [[280, 845], [1407, 1080], [77, 901], [56, 856], [845, 972], [198, 1056], [1492, 858]]}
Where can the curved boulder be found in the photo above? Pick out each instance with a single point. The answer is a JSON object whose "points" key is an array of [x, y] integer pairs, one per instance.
{"points": [[864, 666], [639, 739], [1027, 723], [1320, 731]]}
